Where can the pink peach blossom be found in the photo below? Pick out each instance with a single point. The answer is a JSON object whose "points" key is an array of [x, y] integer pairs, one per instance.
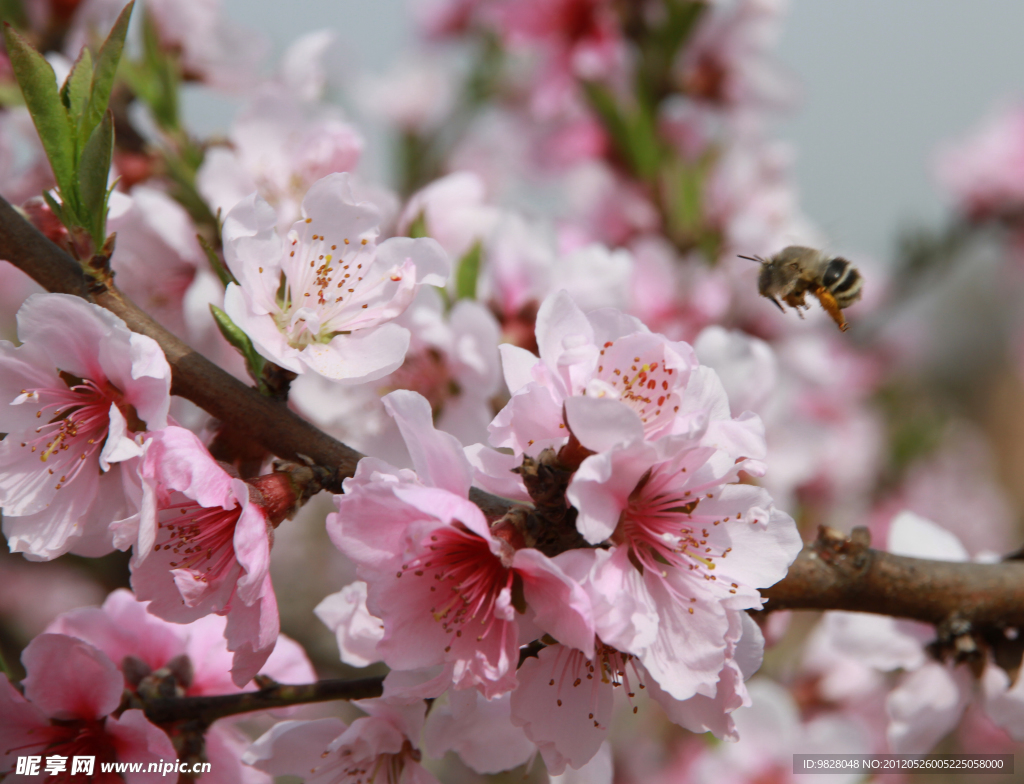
{"points": [[204, 547], [614, 380], [983, 171], [71, 691], [195, 654], [279, 149], [414, 534], [77, 392], [379, 747], [324, 298]]}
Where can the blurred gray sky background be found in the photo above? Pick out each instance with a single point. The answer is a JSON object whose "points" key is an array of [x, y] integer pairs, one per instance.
{"points": [[883, 83]]}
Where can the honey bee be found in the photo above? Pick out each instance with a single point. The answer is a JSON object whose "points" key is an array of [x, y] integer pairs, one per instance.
{"points": [[796, 271]]}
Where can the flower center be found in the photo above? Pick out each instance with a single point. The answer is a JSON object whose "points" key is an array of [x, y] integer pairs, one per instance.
{"points": [[320, 281], [78, 426], [469, 579], [202, 537], [78, 738], [643, 384], [659, 529]]}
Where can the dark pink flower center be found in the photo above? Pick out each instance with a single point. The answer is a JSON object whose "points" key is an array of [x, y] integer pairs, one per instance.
{"points": [[203, 538], [659, 529], [468, 579], [79, 421], [78, 738]]}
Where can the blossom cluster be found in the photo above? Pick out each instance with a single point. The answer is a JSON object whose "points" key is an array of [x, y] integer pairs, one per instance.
{"points": [[588, 440]]}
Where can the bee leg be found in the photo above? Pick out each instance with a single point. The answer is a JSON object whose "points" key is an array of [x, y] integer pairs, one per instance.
{"points": [[828, 302]]}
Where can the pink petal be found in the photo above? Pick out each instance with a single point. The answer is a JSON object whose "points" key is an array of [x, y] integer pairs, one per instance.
{"points": [[602, 423], [291, 748], [530, 422], [916, 537], [518, 365], [926, 706], [560, 606], [21, 369], [357, 632], [251, 633], [706, 714], [689, 650], [224, 747], [437, 456], [561, 710], [363, 355], [70, 679], [121, 628], [492, 471], [252, 547], [251, 243], [138, 741], [479, 730], [70, 331], [263, 331], [178, 459], [331, 204], [22, 725], [432, 263]]}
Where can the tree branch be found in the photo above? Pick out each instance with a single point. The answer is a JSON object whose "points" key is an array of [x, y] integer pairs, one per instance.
{"points": [[208, 709], [193, 377], [839, 573], [831, 574]]}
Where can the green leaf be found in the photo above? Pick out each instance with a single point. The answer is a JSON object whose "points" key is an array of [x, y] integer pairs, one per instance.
{"points": [[215, 263], [103, 76], [162, 77], [55, 207], [237, 338], [468, 271], [13, 11], [75, 92], [39, 86], [93, 172], [418, 228], [631, 128]]}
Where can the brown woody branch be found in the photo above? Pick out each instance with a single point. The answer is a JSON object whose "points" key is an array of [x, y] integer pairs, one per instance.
{"points": [[208, 709], [839, 573], [831, 574], [193, 377]]}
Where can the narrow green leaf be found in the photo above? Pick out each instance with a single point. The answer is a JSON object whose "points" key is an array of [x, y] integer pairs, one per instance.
{"points": [[468, 271], [93, 172], [13, 11], [237, 338], [418, 228], [39, 86], [215, 262], [55, 207], [103, 75], [163, 75], [75, 92]]}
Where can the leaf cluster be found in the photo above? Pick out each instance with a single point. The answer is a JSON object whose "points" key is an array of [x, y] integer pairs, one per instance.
{"points": [[75, 126]]}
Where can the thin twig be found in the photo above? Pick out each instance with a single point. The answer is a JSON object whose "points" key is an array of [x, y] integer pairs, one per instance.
{"points": [[280, 695]]}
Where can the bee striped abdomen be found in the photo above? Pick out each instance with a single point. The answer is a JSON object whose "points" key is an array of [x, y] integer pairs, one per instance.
{"points": [[843, 281]]}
